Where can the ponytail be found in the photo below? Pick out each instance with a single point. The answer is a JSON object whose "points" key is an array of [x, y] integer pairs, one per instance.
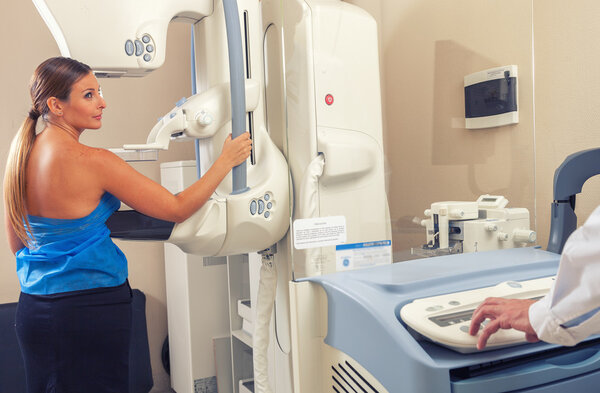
{"points": [[15, 190]]}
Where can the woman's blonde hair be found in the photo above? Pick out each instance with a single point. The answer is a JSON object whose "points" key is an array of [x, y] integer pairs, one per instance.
{"points": [[53, 78]]}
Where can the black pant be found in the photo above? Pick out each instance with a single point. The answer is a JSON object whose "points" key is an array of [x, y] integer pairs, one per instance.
{"points": [[76, 342]]}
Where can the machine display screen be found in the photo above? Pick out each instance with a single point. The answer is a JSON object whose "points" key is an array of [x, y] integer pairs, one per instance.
{"points": [[491, 97], [489, 199], [452, 318]]}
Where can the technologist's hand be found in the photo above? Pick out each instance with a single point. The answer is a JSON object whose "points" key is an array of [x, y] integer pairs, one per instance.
{"points": [[235, 151], [503, 314]]}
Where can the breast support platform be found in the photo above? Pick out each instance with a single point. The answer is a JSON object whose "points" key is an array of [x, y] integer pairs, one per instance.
{"points": [[364, 321]]}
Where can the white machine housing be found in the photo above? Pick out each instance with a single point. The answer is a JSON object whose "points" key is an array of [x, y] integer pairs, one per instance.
{"points": [[334, 110], [487, 224], [117, 38]]}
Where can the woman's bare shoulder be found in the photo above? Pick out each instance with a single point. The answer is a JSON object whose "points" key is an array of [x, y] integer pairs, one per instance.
{"points": [[96, 156]]}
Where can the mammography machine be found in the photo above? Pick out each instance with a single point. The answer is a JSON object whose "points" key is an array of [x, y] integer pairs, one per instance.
{"points": [[486, 224], [302, 94]]}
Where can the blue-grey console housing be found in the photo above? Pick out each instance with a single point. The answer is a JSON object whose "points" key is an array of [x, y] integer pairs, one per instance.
{"points": [[364, 322]]}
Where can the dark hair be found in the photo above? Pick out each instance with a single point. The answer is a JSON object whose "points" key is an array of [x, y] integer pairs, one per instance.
{"points": [[53, 78]]}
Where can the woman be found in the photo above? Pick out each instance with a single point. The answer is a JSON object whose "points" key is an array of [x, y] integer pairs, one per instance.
{"points": [[74, 315]]}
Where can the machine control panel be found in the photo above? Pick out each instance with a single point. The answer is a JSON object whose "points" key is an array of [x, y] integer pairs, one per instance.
{"points": [[262, 206], [138, 47], [445, 319]]}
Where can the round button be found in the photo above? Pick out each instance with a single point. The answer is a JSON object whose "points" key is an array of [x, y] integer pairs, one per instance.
{"points": [[129, 48], [270, 205], [454, 303], [150, 48], [514, 284], [329, 99], [146, 39], [253, 207], [267, 214], [267, 197], [147, 57]]}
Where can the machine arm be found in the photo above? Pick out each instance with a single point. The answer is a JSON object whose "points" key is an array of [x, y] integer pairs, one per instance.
{"points": [[569, 178], [199, 116]]}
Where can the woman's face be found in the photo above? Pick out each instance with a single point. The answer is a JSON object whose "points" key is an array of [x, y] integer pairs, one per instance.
{"points": [[85, 105]]}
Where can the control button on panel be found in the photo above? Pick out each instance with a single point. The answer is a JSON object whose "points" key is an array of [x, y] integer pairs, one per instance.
{"points": [[129, 48], [149, 48], [434, 308], [147, 57], [270, 205], [454, 303], [267, 197], [253, 207], [261, 206], [139, 48], [267, 214], [146, 39]]}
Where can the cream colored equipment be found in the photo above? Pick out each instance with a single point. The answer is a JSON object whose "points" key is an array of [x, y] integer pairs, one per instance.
{"points": [[487, 224], [117, 38]]}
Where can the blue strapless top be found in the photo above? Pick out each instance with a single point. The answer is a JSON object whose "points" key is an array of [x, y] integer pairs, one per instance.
{"points": [[72, 254]]}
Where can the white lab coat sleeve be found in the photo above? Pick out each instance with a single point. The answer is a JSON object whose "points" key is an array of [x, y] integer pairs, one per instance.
{"points": [[570, 311]]}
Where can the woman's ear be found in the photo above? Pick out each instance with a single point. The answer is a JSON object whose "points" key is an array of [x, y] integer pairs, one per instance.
{"points": [[55, 106]]}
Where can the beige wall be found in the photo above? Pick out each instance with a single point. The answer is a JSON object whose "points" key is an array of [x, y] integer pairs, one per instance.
{"points": [[133, 106], [567, 96], [428, 46]]}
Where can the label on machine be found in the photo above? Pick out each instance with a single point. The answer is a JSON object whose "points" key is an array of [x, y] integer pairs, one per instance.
{"points": [[359, 255], [319, 232]]}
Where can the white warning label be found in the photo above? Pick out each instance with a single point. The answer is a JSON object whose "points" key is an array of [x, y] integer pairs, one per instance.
{"points": [[319, 232]]}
